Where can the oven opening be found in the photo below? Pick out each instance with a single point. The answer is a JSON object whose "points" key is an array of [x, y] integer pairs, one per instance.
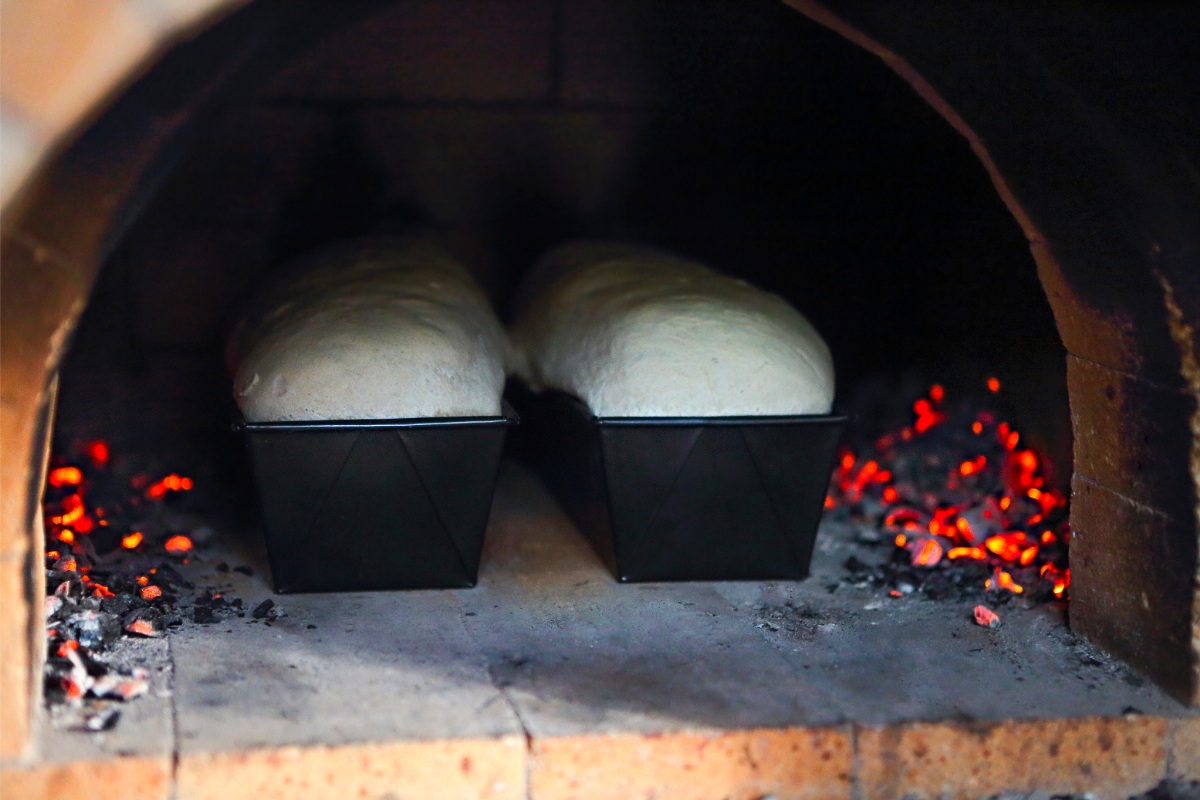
{"points": [[742, 135]]}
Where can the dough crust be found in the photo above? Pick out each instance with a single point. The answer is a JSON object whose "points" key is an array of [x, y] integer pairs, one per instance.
{"points": [[637, 332], [379, 328]]}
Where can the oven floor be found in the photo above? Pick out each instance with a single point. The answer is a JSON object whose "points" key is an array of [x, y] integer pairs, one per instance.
{"points": [[549, 645]]}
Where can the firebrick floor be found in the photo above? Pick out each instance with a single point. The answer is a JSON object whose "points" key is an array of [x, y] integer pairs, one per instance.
{"points": [[549, 645]]}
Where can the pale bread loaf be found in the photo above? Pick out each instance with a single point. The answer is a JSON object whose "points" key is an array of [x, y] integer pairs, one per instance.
{"points": [[637, 332], [379, 328]]}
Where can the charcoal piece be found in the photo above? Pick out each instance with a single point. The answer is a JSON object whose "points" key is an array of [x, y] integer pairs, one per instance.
{"points": [[855, 566], [120, 605], [172, 620], [94, 629], [203, 615], [262, 609], [222, 567], [103, 720], [247, 571], [144, 622]]}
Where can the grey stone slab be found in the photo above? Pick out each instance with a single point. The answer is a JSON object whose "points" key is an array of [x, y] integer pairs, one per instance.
{"points": [[882, 659], [338, 668], [550, 644], [579, 653]]}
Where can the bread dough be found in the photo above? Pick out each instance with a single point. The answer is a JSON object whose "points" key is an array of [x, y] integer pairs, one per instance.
{"points": [[381, 328], [637, 332]]}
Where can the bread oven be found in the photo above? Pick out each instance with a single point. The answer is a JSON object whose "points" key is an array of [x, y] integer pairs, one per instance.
{"points": [[867, 161]]}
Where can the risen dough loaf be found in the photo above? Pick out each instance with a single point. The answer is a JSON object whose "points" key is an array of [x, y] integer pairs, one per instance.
{"points": [[636, 332], [369, 329]]}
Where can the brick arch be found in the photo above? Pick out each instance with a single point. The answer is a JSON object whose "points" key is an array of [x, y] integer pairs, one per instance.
{"points": [[1124, 292]]}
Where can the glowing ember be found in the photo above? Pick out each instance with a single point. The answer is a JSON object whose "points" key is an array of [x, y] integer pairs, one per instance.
{"points": [[142, 627], [966, 552], [956, 487], [65, 476], [94, 594], [178, 544], [986, 617], [928, 554], [72, 506], [97, 451], [171, 483], [1003, 580]]}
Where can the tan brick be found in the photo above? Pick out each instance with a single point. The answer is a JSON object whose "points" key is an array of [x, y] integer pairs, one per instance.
{"points": [[16, 687], [1185, 748], [739, 765], [464, 768], [40, 299], [143, 778], [61, 58], [1108, 758]]}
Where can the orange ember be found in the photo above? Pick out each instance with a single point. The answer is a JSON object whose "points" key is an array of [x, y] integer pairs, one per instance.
{"points": [[141, 627], [65, 476], [971, 467], [178, 544], [976, 553], [1003, 580], [72, 506], [928, 554], [149, 593], [98, 452], [132, 540], [986, 617], [993, 385], [171, 483]]}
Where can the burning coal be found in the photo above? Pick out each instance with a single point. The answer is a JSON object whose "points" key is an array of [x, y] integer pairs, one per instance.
{"points": [[962, 502], [112, 561]]}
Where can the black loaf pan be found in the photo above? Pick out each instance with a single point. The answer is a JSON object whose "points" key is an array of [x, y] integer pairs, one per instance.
{"points": [[671, 499], [364, 505]]}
